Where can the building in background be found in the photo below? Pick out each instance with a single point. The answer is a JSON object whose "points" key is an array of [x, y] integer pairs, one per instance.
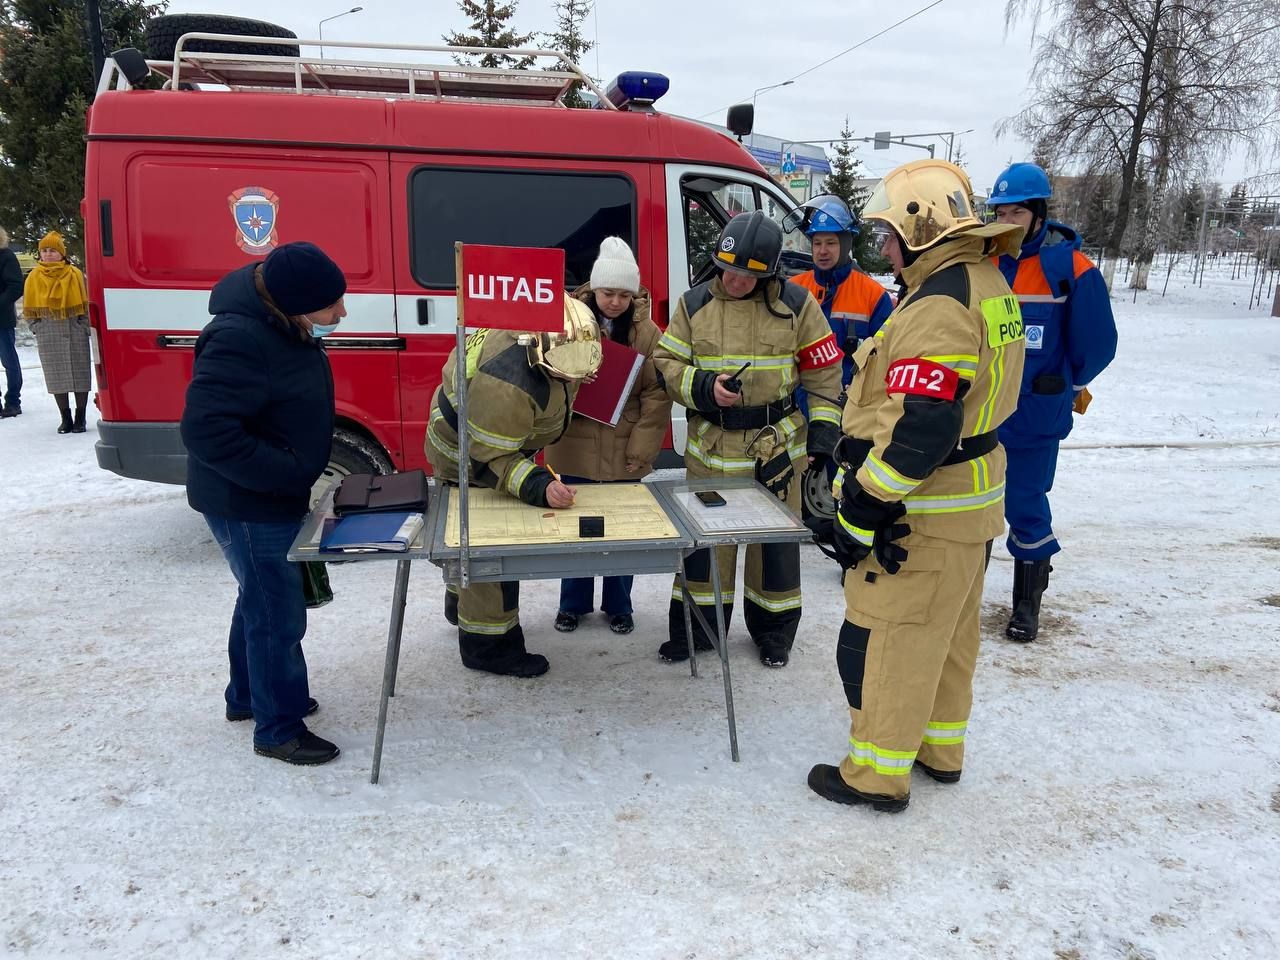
{"points": [[799, 167]]}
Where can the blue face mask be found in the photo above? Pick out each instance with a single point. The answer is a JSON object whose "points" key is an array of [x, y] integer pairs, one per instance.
{"points": [[322, 329]]}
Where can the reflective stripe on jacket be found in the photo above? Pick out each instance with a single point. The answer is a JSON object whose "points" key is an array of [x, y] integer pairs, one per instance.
{"points": [[713, 333], [513, 411], [859, 309], [1070, 329], [957, 327]]}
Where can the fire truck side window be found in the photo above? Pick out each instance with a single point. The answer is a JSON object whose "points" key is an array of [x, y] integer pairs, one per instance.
{"points": [[518, 209], [709, 204]]}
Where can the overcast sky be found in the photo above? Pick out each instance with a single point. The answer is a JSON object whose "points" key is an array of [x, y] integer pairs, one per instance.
{"points": [[951, 68]]}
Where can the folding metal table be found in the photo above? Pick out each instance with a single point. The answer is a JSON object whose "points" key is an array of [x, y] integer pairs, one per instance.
{"points": [[697, 528]]}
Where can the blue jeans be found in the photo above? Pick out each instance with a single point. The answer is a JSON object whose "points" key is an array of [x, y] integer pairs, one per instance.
{"points": [[12, 368], [577, 596], [268, 671]]}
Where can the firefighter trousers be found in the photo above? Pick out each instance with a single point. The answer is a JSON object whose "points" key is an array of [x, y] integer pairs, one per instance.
{"points": [[771, 581], [906, 655], [489, 621]]}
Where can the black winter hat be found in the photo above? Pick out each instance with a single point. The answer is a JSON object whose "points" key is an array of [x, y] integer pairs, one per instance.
{"points": [[301, 278]]}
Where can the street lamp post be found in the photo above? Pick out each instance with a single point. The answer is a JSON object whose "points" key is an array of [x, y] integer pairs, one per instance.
{"points": [[755, 93], [334, 17]]}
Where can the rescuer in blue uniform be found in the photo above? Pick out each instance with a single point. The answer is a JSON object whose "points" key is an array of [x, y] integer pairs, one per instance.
{"points": [[1071, 337]]}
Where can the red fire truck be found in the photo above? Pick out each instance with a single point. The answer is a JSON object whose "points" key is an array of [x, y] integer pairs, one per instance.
{"points": [[384, 164]]}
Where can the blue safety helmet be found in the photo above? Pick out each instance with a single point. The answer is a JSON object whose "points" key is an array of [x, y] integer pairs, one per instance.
{"points": [[1020, 183], [822, 214]]}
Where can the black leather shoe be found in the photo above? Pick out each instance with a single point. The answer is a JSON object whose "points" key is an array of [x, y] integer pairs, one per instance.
{"points": [[622, 623], [13, 410], [825, 781], [942, 776], [566, 622], [236, 715], [306, 749], [677, 650]]}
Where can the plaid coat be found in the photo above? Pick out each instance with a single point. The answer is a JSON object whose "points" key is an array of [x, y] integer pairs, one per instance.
{"points": [[64, 354]]}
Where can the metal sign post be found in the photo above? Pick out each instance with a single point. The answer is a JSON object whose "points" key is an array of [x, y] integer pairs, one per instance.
{"points": [[460, 390], [498, 288]]}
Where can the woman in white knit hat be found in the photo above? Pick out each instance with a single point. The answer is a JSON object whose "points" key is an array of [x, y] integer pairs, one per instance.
{"points": [[593, 451]]}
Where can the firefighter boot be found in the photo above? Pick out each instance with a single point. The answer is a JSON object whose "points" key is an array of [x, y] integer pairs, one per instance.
{"points": [[1030, 578], [504, 654], [676, 649], [775, 649], [825, 781], [451, 607]]}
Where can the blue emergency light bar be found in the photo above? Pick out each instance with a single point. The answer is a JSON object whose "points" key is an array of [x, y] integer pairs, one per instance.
{"points": [[636, 88]]}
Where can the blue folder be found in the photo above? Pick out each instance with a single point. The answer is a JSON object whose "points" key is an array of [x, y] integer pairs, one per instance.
{"points": [[367, 532]]}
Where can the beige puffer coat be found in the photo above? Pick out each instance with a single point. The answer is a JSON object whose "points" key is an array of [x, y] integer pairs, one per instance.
{"points": [[598, 452]]}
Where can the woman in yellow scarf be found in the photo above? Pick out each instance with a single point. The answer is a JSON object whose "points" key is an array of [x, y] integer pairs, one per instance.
{"points": [[55, 305]]}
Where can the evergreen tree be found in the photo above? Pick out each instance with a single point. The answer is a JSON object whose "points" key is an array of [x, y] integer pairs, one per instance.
{"points": [[842, 181], [1099, 210], [1190, 208], [1237, 198], [46, 83], [568, 38], [490, 25], [1042, 157]]}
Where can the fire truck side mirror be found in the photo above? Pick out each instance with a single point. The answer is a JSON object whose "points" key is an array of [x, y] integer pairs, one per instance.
{"points": [[132, 64], [742, 117]]}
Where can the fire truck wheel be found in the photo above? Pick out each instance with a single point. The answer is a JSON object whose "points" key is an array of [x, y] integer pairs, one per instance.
{"points": [[164, 32], [351, 453], [815, 495]]}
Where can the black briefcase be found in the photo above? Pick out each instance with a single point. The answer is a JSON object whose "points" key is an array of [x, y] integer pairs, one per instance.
{"points": [[381, 493]]}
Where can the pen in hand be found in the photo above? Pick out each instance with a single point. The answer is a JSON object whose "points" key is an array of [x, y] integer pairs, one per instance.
{"points": [[559, 494]]}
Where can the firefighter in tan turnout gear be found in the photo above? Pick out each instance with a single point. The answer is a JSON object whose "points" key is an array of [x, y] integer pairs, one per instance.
{"points": [[749, 425], [520, 391], [921, 485]]}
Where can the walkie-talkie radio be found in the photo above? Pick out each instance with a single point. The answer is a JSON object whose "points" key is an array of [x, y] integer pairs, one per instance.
{"points": [[733, 384]]}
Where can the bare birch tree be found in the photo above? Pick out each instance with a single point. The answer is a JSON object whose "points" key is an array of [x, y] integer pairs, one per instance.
{"points": [[1123, 85]]}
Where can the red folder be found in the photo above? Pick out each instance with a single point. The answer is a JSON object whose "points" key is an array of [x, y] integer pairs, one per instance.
{"points": [[603, 398]]}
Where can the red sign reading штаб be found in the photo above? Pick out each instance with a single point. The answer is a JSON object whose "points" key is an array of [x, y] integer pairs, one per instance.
{"points": [[511, 288]]}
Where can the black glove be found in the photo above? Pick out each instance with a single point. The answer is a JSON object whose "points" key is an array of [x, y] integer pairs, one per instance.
{"points": [[822, 440], [865, 525]]}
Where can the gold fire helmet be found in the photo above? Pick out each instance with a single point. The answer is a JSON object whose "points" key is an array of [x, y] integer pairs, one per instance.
{"points": [[929, 200], [574, 354]]}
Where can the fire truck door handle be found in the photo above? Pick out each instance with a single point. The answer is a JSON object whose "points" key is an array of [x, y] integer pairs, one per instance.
{"points": [[424, 311], [108, 241]]}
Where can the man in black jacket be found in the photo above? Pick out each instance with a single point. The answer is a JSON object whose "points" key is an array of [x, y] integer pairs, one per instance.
{"points": [[257, 426], [10, 294]]}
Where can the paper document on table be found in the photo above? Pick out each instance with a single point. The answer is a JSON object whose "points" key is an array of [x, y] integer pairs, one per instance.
{"points": [[629, 510], [745, 509]]}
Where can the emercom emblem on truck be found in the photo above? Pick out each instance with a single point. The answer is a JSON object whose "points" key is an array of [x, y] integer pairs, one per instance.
{"points": [[254, 210]]}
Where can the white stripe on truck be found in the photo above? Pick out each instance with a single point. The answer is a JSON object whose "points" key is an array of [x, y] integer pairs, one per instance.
{"points": [[187, 311]]}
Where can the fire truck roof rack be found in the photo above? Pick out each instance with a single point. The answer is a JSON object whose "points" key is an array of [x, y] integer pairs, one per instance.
{"points": [[546, 85]]}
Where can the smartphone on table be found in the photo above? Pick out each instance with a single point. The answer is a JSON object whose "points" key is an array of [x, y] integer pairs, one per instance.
{"points": [[710, 498]]}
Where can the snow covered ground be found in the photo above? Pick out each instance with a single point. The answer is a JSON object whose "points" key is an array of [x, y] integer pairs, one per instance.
{"points": [[1121, 795]]}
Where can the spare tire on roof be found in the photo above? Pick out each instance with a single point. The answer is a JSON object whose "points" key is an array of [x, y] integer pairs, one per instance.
{"points": [[163, 33]]}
